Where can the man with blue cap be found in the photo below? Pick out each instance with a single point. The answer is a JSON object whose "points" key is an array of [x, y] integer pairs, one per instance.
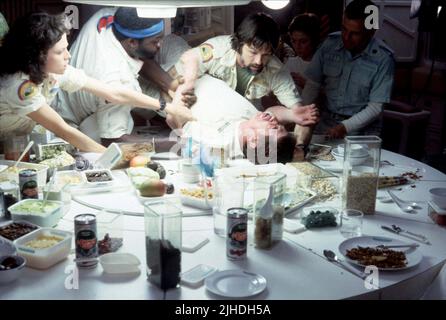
{"points": [[113, 46]]}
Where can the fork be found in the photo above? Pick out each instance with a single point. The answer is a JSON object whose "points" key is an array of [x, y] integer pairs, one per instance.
{"points": [[413, 245]]}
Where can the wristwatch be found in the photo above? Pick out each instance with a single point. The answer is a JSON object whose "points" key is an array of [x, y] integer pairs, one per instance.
{"points": [[162, 104]]}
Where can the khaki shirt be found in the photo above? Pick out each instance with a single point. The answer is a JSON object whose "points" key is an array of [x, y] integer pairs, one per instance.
{"points": [[19, 97], [219, 60]]}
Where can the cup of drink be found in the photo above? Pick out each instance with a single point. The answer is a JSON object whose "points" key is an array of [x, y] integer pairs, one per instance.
{"points": [[351, 223]]}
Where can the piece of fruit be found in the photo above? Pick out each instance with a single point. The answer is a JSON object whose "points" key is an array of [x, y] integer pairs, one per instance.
{"points": [[152, 188], [139, 161]]}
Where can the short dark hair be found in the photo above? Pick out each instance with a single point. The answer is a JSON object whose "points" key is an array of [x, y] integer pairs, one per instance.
{"points": [[256, 29], [309, 24], [355, 10], [25, 47], [128, 18], [285, 149]]}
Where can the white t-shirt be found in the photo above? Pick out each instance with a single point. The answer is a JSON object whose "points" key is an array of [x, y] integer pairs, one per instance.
{"points": [[219, 110], [297, 65], [19, 97]]}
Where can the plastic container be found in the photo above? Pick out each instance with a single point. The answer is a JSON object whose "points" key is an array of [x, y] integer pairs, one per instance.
{"points": [[14, 230], [10, 275], [44, 219], [438, 196], [46, 257], [100, 177], [71, 178], [120, 263], [13, 174]]}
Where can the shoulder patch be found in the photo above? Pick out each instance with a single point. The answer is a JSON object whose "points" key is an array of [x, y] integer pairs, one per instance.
{"points": [[27, 90], [207, 52]]}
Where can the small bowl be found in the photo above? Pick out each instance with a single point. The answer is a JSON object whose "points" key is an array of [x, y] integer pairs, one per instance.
{"points": [[9, 275], [438, 195], [355, 161], [355, 150], [120, 263]]}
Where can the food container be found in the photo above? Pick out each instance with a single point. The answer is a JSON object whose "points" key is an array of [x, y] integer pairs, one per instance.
{"points": [[120, 263], [196, 197], [438, 196], [437, 214], [17, 229], [31, 210], [70, 178], [322, 209], [360, 183], [100, 177], [11, 174], [11, 268], [11, 195], [45, 247]]}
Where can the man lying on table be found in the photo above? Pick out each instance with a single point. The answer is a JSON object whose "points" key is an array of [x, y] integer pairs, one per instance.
{"points": [[226, 119], [245, 61]]}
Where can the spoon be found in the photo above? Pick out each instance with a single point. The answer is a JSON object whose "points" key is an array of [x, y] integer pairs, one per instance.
{"points": [[413, 245], [30, 144], [399, 204], [49, 187], [331, 256]]}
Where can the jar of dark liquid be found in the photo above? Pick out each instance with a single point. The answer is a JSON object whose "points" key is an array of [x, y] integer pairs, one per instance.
{"points": [[162, 222]]}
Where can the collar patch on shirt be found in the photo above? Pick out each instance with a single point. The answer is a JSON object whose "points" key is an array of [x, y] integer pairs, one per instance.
{"points": [[27, 90], [105, 23], [207, 52]]}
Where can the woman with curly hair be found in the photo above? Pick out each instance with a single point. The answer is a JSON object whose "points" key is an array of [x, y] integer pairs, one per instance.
{"points": [[34, 67]]}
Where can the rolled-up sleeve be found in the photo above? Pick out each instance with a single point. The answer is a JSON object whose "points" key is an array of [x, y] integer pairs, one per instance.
{"points": [[73, 79], [23, 97], [284, 88]]}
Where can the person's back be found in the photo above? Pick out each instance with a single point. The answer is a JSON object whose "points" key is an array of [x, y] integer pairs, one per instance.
{"points": [[100, 55]]}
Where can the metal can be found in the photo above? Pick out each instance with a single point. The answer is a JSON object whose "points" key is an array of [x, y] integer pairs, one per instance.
{"points": [[28, 184], [85, 233], [237, 228]]}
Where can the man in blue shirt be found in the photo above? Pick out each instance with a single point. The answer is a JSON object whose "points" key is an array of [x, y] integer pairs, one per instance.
{"points": [[356, 72]]}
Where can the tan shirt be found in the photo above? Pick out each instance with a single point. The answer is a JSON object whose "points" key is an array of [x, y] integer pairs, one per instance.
{"points": [[19, 97], [218, 59]]}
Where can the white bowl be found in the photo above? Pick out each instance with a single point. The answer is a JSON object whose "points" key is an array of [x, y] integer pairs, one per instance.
{"points": [[355, 161], [438, 195], [7, 276], [355, 151], [120, 263]]}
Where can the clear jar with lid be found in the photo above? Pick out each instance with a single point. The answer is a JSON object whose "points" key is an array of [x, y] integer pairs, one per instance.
{"points": [[10, 195], [362, 155]]}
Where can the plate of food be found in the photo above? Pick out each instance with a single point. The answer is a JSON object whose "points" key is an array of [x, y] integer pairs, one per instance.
{"points": [[374, 250]]}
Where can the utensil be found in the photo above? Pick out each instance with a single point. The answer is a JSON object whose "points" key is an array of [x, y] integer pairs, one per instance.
{"points": [[403, 207], [405, 235], [413, 245], [396, 228], [30, 144], [49, 187], [331, 256]]}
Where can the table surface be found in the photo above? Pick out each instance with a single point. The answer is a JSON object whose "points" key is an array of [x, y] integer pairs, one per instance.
{"points": [[294, 268]]}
